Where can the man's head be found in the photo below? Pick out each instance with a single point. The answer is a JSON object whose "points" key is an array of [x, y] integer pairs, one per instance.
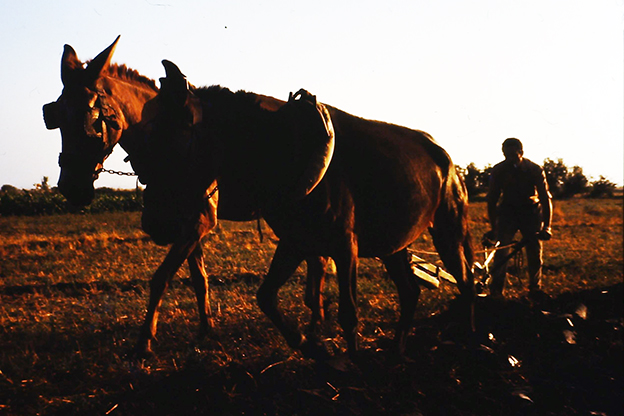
{"points": [[512, 149]]}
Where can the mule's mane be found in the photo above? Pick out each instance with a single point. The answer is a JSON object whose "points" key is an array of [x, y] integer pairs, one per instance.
{"points": [[242, 99], [122, 72]]}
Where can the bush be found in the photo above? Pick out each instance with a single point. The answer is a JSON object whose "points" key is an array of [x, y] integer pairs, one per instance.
{"points": [[46, 201], [563, 182], [602, 188], [575, 183], [476, 180], [556, 173]]}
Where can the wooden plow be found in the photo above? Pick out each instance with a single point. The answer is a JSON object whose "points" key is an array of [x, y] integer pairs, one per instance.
{"points": [[430, 275]]}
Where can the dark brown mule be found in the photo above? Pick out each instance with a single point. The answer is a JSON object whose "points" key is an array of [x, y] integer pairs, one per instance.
{"points": [[102, 104], [385, 185]]}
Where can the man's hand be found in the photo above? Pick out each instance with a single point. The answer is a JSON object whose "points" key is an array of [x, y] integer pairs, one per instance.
{"points": [[545, 234]]}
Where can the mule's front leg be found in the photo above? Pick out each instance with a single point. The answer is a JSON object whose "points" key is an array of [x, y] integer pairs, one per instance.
{"points": [[174, 259], [200, 284]]}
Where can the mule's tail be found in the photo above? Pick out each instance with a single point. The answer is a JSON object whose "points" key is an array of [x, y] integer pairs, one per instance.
{"points": [[450, 232]]}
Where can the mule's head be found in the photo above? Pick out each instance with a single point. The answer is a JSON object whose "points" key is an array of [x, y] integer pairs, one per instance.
{"points": [[91, 122], [173, 199]]}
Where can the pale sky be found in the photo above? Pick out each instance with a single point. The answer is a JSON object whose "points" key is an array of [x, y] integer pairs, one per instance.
{"points": [[471, 73]]}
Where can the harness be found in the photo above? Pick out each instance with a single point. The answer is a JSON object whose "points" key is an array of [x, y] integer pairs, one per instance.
{"points": [[106, 116]]}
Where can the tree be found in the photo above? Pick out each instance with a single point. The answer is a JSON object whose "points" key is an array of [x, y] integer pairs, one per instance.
{"points": [[564, 183], [602, 188], [476, 180], [9, 189], [484, 178], [556, 173], [471, 179], [575, 183], [44, 185]]}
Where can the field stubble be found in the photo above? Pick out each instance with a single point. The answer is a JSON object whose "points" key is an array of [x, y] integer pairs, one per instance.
{"points": [[73, 291]]}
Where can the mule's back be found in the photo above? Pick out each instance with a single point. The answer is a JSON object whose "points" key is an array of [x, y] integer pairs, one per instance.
{"points": [[394, 176]]}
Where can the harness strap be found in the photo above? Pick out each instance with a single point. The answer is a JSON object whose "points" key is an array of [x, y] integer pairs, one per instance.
{"points": [[260, 229]]}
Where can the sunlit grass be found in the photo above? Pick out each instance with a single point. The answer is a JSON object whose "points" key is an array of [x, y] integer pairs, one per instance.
{"points": [[73, 292]]}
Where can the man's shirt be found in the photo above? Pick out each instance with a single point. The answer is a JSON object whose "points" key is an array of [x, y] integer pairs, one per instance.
{"points": [[520, 184]]}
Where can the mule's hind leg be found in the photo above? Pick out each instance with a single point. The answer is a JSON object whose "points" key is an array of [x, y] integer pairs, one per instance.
{"points": [[453, 255], [200, 284], [346, 261], [400, 271], [314, 291]]}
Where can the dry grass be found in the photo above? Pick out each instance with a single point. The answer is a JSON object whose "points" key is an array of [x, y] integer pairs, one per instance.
{"points": [[73, 291]]}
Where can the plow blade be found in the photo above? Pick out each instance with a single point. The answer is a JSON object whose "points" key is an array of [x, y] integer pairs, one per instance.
{"points": [[430, 274]]}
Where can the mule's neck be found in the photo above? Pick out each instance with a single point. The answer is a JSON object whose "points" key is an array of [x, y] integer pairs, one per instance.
{"points": [[241, 114], [257, 144], [128, 96]]}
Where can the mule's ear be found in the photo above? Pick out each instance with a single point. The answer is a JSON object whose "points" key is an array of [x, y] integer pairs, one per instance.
{"points": [[50, 116], [100, 63], [70, 66], [172, 70], [174, 86]]}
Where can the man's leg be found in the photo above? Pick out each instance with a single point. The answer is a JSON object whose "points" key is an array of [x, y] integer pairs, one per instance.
{"points": [[506, 230], [530, 225], [534, 260]]}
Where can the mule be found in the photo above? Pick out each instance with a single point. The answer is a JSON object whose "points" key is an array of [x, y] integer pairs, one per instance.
{"points": [[103, 104], [382, 187]]}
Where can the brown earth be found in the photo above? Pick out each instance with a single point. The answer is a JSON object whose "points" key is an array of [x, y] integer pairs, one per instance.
{"points": [[552, 357]]}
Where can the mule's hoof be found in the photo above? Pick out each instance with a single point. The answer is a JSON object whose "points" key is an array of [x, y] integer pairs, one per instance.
{"points": [[341, 363], [139, 353], [396, 355], [538, 296], [207, 333], [315, 350], [212, 344]]}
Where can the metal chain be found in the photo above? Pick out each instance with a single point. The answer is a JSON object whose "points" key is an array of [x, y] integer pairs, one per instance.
{"points": [[116, 172]]}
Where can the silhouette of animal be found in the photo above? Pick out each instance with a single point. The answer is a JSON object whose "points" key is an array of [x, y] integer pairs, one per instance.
{"points": [[103, 104], [328, 184]]}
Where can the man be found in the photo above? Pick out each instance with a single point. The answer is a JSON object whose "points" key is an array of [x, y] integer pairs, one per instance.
{"points": [[518, 200]]}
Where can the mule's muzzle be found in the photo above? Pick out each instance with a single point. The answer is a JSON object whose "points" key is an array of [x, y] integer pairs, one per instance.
{"points": [[78, 194], [77, 176]]}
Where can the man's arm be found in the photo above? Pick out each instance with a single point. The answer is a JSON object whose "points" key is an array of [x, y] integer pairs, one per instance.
{"points": [[546, 203]]}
